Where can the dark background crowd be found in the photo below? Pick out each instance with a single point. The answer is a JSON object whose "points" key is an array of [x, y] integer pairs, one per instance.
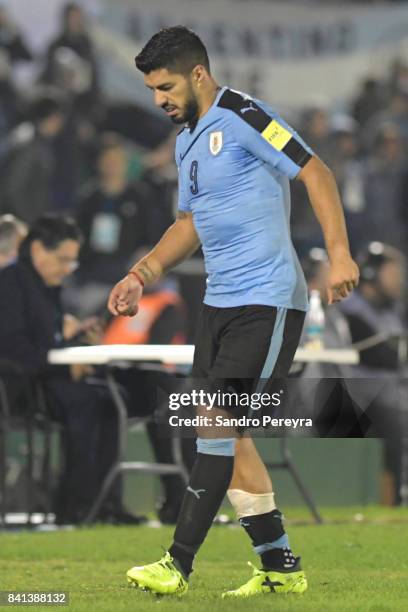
{"points": [[67, 149]]}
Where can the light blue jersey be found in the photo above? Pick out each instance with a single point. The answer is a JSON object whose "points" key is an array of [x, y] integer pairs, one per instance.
{"points": [[234, 171]]}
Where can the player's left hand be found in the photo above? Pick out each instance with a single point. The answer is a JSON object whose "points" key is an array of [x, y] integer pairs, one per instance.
{"points": [[343, 278]]}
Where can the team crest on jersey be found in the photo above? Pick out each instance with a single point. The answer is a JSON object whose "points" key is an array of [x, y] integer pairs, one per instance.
{"points": [[215, 142]]}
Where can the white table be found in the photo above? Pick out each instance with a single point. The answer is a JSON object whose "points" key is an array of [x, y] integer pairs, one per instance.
{"points": [[175, 354], [181, 355]]}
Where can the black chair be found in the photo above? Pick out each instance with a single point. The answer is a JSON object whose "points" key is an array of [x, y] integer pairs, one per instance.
{"points": [[122, 464], [23, 408]]}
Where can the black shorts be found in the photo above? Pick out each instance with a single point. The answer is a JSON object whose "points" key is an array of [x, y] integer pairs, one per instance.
{"points": [[245, 348]]}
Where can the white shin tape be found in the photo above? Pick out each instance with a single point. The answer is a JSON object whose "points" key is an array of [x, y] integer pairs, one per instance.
{"points": [[251, 504]]}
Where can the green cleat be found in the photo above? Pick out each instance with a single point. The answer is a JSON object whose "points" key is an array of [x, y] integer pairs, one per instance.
{"points": [[272, 581], [161, 577]]}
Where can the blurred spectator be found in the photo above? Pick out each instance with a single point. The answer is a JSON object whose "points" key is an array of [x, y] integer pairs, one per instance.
{"points": [[75, 150], [376, 305], [71, 69], [27, 174], [306, 232], [344, 135], [161, 159], [71, 60], [160, 173], [398, 113], [74, 159], [316, 132], [32, 321], [369, 101], [348, 169], [395, 113], [375, 308], [12, 232], [384, 174], [11, 40], [398, 79], [10, 106], [116, 217]]}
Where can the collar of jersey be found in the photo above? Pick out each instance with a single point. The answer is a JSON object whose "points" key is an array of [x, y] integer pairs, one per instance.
{"points": [[204, 117]]}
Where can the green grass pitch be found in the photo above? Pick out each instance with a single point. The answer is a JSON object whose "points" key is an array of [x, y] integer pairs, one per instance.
{"points": [[359, 566]]}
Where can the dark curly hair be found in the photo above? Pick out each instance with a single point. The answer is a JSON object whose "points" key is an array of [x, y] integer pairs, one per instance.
{"points": [[177, 48], [51, 229]]}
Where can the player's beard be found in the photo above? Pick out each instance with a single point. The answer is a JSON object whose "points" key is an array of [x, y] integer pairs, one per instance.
{"points": [[190, 111]]}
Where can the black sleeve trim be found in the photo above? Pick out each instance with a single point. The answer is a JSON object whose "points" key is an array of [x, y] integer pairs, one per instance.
{"points": [[250, 112], [296, 152], [246, 109]]}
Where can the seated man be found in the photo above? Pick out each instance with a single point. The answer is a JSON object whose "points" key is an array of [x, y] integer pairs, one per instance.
{"points": [[32, 321]]}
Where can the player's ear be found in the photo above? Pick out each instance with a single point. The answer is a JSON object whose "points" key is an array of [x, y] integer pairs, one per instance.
{"points": [[198, 74]]}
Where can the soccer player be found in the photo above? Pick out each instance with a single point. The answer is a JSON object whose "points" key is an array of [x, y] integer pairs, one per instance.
{"points": [[235, 157]]}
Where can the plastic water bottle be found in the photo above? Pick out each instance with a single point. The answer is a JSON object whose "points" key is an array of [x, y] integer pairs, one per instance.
{"points": [[315, 321]]}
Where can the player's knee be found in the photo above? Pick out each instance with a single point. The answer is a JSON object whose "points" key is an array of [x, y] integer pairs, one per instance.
{"points": [[216, 446]]}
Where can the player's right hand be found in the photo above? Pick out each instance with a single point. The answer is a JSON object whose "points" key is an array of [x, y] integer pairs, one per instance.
{"points": [[125, 296]]}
